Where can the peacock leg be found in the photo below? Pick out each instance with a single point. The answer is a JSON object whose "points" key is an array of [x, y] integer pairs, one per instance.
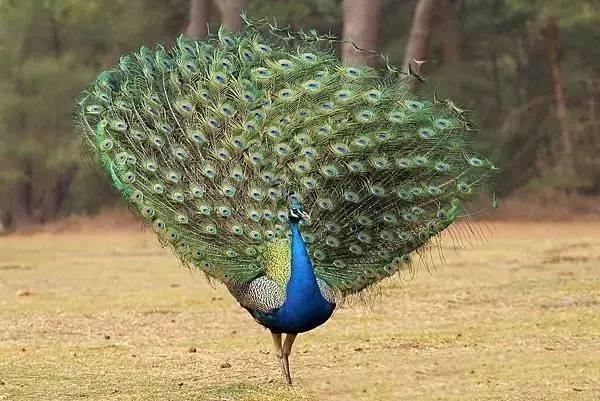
{"points": [[278, 349], [287, 350]]}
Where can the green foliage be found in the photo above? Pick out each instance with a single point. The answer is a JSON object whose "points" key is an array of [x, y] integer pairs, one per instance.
{"points": [[49, 49], [504, 75]]}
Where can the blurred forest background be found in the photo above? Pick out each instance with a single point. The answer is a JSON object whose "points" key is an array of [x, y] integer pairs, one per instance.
{"points": [[529, 69]]}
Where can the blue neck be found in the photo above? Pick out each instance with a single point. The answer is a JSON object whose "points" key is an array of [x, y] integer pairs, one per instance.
{"points": [[304, 307], [303, 282]]}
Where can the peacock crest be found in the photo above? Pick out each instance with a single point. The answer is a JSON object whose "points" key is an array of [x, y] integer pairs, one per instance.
{"points": [[211, 141]]}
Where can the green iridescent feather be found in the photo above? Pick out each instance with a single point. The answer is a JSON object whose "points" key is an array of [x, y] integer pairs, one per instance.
{"points": [[210, 141]]}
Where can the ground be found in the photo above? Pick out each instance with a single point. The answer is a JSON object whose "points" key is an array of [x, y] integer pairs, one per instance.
{"points": [[109, 315]]}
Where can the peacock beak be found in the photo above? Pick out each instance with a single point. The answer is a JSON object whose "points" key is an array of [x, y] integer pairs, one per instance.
{"points": [[305, 216]]}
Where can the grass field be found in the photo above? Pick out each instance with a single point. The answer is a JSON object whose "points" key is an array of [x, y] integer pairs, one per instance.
{"points": [[109, 315]]}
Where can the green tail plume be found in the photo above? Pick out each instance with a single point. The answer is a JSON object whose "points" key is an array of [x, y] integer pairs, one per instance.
{"points": [[211, 140]]}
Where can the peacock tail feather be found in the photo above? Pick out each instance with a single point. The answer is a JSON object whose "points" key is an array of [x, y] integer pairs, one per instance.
{"points": [[210, 141]]}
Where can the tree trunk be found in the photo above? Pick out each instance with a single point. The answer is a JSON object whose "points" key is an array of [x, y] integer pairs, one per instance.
{"points": [[417, 47], [56, 194], [199, 13], [19, 198], [230, 13], [361, 26], [497, 83], [592, 109], [551, 36], [450, 17], [18, 214], [518, 86]]}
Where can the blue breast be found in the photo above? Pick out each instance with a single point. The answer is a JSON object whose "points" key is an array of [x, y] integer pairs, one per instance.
{"points": [[304, 307]]}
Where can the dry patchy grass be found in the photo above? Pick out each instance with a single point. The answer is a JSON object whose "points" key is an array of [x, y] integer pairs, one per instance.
{"points": [[111, 316]]}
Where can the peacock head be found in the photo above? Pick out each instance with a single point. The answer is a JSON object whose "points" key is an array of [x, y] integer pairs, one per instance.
{"points": [[296, 213]]}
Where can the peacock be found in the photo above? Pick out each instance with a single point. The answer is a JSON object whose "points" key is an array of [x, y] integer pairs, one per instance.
{"points": [[265, 162]]}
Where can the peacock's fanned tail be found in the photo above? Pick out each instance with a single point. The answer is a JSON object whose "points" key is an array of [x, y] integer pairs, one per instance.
{"points": [[210, 140]]}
